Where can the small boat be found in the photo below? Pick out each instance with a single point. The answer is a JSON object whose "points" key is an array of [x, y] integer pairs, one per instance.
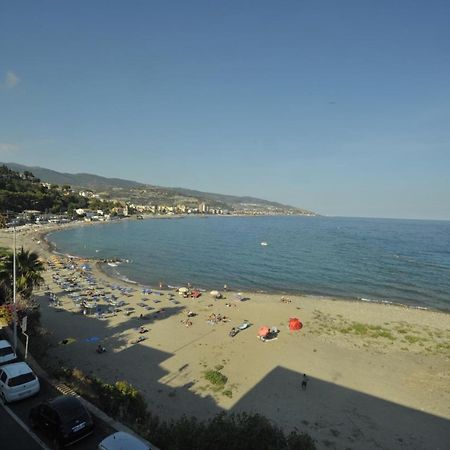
{"points": [[264, 243]]}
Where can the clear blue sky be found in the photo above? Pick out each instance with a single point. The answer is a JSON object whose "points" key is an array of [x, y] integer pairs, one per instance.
{"points": [[342, 107]]}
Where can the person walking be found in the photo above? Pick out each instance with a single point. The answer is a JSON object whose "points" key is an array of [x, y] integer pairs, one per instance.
{"points": [[305, 380]]}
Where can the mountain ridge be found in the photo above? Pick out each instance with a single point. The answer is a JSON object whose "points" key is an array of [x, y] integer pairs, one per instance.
{"points": [[136, 191]]}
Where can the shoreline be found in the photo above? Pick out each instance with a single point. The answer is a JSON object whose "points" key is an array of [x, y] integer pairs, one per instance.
{"points": [[317, 296], [50, 247]]}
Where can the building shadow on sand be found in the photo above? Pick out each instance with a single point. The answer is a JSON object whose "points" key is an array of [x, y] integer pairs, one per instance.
{"points": [[336, 416]]}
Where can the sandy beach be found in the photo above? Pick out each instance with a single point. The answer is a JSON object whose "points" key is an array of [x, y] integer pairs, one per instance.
{"points": [[378, 375]]}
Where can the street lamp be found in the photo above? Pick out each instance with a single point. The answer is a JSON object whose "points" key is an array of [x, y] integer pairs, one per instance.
{"points": [[14, 288]]}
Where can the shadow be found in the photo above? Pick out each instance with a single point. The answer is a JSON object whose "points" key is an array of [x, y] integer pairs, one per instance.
{"points": [[141, 364], [336, 416], [341, 418]]}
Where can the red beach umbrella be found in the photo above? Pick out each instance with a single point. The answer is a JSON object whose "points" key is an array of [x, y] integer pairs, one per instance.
{"points": [[263, 331], [295, 324]]}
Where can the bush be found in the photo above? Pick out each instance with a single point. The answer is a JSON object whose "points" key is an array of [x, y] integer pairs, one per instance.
{"points": [[215, 377], [224, 431], [228, 431]]}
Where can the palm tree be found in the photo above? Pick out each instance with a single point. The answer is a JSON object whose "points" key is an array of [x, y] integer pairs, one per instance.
{"points": [[28, 274]]}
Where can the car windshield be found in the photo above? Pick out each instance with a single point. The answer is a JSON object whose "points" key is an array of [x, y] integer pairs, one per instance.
{"points": [[21, 379], [6, 351]]}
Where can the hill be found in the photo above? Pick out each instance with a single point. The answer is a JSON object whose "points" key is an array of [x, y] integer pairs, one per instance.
{"points": [[140, 193]]}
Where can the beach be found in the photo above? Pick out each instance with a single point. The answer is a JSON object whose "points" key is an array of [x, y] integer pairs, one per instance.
{"points": [[378, 374]]}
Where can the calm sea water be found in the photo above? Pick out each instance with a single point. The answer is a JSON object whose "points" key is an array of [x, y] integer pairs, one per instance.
{"points": [[403, 261]]}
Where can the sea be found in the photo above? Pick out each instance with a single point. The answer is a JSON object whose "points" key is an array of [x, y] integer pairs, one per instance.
{"points": [[380, 260]]}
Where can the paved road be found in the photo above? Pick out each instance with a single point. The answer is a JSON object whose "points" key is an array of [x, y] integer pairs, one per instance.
{"points": [[22, 409], [13, 436]]}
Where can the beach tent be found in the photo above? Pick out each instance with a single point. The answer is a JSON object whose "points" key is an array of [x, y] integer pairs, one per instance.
{"points": [[295, 324], [263, 331]]}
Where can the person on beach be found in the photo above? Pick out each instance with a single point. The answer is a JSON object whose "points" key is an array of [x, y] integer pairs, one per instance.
{"points": [[304, 382]]}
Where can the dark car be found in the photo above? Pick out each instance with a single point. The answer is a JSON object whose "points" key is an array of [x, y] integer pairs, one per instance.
{"points": [[64, 419]]}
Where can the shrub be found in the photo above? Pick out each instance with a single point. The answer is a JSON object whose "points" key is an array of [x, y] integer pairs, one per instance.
{"points": [[222, 432], [215, 377], [228, 431]]}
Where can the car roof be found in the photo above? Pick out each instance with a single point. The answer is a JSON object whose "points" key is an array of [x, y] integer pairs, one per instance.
{"points": [[4, 344], [65, 403], [124, 441], [16, 369]]}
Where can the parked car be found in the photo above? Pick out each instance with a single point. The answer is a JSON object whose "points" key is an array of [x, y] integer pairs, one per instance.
{"points": [[17, 381], [7, 353], [123, 441], [64, 419]]}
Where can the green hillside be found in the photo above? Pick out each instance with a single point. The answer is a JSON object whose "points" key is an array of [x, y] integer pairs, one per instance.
{"points": [[140, 193]]}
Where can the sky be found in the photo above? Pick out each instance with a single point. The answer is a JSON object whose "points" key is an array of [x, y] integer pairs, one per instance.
{"points": [[340, 107]]}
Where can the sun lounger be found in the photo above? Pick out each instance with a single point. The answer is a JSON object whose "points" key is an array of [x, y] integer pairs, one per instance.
{"points": [[244, 325]]}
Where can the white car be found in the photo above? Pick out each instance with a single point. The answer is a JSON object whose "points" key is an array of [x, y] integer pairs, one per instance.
{"points": [[17, 381], [7, 354], [123, 441]]}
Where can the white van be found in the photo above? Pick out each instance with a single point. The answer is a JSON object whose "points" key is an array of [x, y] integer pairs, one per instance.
{"points": [[7, 354], [17, 381]]}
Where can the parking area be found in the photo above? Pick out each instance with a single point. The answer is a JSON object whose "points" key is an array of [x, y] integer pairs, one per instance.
{"points": [[22, 410], [16, 434], [13, 436]]}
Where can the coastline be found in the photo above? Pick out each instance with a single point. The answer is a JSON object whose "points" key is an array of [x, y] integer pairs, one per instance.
{"points": [[292, 292], [41, 233], [382, 367]]}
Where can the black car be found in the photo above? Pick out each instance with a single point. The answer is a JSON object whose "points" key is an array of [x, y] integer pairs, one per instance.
{"points": [[64, 419]]}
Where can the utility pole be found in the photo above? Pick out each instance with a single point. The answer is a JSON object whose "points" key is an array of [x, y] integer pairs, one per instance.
{"points": [[14, 289]]}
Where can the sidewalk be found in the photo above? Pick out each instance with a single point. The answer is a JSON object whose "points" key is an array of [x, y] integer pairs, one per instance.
{"points": [[65, 390]]}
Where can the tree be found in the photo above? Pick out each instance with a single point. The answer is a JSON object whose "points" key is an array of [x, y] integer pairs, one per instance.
{"points": [[28, 274]]}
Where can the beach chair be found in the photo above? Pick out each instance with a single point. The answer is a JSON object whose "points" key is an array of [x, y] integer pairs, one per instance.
{"points": [[244, 325]]}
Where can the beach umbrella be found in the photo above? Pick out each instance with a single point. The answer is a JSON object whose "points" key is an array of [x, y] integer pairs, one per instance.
{"points": [[295, 324], [263, 331], [216, 294], [183, 290]]}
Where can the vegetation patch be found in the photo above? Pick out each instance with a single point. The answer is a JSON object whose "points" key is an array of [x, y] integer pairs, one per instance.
{"points": [[222, 432], [363, 329], [228, 393], [216, 378], [412, 339]]}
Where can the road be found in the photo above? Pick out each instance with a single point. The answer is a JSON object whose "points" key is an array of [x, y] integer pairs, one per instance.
{"points": [[13, 436], [17, 439]]}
